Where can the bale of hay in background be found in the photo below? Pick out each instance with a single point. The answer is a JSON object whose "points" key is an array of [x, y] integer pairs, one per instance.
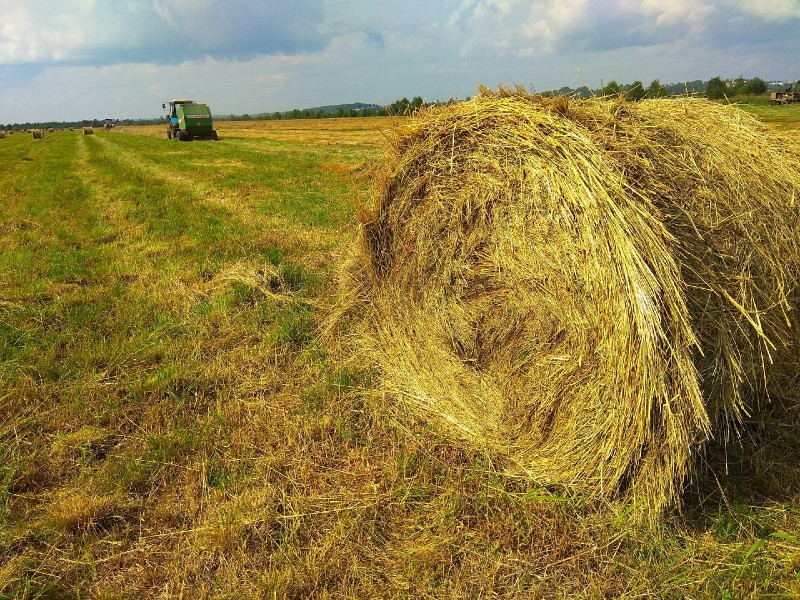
{"points": [[587, 289], [50, 129], [88, 131], [2, 134], [38, 134]]}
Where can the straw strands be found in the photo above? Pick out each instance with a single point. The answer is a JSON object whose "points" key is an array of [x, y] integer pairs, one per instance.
{"points": [[587, 289]]}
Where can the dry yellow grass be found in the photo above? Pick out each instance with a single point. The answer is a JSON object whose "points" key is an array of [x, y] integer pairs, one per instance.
{"points": [[588, 289], [355, 132]]}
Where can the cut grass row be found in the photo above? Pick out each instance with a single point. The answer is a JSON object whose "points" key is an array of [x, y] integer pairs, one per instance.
{"points": [[170, 423]]}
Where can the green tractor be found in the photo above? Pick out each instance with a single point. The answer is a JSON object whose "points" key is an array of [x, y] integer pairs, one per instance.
{"points": [[189, 120]]}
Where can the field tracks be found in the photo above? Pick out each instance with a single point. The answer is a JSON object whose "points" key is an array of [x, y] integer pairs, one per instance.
{"points": [[152, 170]]}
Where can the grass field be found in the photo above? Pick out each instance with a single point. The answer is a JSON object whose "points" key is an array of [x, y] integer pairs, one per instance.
{"points": [[171, 424], [783, 118]]}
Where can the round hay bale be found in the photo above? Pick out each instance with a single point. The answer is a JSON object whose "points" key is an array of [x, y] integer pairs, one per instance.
{"points": [[587, 289], [38, 134], [2, 134], [50, 129], [88, 131]]}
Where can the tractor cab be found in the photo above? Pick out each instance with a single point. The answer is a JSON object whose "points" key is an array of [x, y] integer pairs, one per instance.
{"points": [[173, 107]]}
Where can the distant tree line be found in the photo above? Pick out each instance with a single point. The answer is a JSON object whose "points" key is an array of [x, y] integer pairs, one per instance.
{"points": [[716, 88], [719, 88], [77, 124], [401, 107]]}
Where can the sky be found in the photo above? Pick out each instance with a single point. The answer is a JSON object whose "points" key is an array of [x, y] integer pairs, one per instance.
{"points": [[63, 60]]}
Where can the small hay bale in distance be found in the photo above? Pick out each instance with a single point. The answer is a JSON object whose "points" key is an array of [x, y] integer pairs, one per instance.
{"points": [[88, 131], [37, 134], [50, 129], [588, 289]]}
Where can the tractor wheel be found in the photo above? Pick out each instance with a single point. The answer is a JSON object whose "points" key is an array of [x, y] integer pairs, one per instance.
{"points": [[169, 133], [179, 135], [214, 135]]}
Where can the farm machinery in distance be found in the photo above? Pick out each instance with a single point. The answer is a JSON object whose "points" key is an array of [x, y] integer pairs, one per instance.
{"points": [[788, 96]]}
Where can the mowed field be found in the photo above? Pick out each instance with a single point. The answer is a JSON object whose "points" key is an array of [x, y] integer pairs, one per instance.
{"points": [[174, 425]]}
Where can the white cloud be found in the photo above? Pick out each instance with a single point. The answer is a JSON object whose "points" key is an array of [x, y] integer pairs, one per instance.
{"points": [[772, 10], [18, 39], [513, 27], [672, 12], [550, 21], [483, 13], [98, 31], [83, 58]]}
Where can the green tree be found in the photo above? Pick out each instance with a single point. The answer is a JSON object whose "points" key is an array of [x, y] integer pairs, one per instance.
{"points": [[755, 86], [612, 88], [716, 88], [400, 107], [636, 91], [656, 90]]}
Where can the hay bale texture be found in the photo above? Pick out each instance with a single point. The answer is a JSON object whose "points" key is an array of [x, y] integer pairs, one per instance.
{"points": [[587, 289], [2, 134], [88, 131], [38, 134]]}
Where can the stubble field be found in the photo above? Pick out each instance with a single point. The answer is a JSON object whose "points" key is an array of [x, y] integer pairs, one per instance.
{"points": [[173, 425]]}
